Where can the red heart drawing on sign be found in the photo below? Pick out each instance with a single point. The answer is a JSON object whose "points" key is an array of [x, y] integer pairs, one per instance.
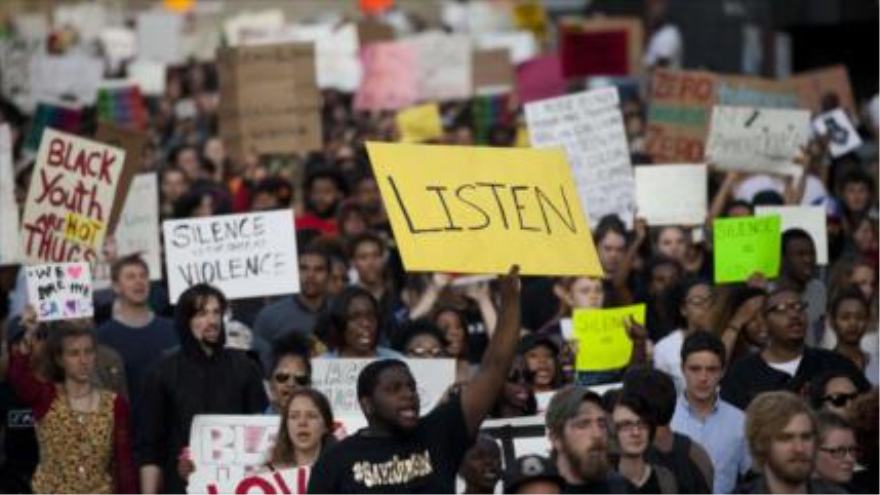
{"points": [[74, 271]]}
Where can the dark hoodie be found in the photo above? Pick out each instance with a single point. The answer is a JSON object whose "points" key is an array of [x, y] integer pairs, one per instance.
{"points": [[188, 382]]}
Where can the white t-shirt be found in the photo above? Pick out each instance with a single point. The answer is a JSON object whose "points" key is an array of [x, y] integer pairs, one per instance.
{"points": [[667, 357], [814, 193], [789, 367]]}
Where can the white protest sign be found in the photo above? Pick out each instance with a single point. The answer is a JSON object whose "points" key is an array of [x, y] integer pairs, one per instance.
{"points": [[246, 255], [10, 246], [230, 455], [337, 379], [521, 44], [756, 139], [66, 78], [15, 72], [119, 44], [148, 75], [588, 126], [60, 291], [443, 66], [138, 229], [159, 34], [67, 213], [809, 218], [86, 18], [843, 137], [672, 194]]}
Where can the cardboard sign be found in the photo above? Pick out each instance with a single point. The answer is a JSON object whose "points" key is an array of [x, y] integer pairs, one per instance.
{"points": [[492, 72], [601, 47], [372, 30], [589, 127], [60, 291], [443, 66], [747, 245], [540, 78], [481, 210], [230, 455], [135, 145], [389, 80], [249, 23], [602, 340], [419, 124], [809, 218], [672, 194], [246, 255], [67, 212], [337, 379], [10, 246], [756, 139], [812, 86], [269, 99], [842, 136], [681, 105]]}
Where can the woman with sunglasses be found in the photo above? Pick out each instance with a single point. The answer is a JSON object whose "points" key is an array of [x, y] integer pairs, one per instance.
{"points": [[291, 370], [83, 431], [834, 392], [837, 452]]}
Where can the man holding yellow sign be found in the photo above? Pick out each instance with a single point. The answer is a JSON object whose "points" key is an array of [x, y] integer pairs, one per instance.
{"points": [[479, 210]]}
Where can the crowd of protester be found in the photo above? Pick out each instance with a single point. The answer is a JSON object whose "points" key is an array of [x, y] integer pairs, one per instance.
{"points": [[767, 386]]}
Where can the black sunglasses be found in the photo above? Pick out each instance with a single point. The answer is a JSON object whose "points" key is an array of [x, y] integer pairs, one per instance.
{"points": [[840, 400], [301, 380]]}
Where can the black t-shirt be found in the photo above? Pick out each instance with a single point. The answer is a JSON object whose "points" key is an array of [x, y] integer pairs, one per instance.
{"points": [[650, 486], [613, 483], [424, 462]]}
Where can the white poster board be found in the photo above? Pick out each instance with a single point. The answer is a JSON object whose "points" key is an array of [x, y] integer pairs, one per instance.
{"points": [[521, 44], [159, 34], [60, 291], [246, 255], [230, 454], [756, 139], [148, 75], [10, 245], [809, 218], [843, 137], [443, 66], [672, 194], [72, 78], [337, 379], [589, 127]]}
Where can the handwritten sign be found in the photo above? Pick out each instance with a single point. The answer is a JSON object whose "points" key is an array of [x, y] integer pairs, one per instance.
{"points": [[481, 210], [842, 136], [60, 291], [67, 212], [269, 100], [681, 105], [672, 194], [230, 455], [756, 139], [744, 246], [601, 334], [246, 255], [809, 218], [10, 246], [589, 127], [390, 79], [419, 124], [443, 66], [337, 379]]}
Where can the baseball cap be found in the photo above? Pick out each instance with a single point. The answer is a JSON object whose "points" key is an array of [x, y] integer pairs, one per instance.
{"points": [[530, 468], [566, 403]]}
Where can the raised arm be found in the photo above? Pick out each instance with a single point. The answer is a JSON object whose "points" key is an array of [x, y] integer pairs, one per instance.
{"points": [[483, 390]]}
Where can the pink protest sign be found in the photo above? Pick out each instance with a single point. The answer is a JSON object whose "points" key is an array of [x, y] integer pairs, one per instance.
{"points": [[389, 77], [540, 78]]}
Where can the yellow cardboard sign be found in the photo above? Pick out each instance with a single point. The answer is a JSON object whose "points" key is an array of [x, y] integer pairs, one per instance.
{"points": [[479, 210], [602, 340], [420, 124]]}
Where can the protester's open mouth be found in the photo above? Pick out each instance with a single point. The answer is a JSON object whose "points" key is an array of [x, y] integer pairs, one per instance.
{"points": [[408, 414], [303, 436]]}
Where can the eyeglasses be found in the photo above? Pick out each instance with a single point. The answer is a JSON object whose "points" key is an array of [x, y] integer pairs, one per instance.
{"points": [[840, 400], [797, 307], [630, 426], [842, 451], [425, 352], [301, 380]]}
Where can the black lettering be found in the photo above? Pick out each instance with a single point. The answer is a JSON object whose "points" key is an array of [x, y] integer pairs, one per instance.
{"points": [[439, 190], [543, 198], [520, 207], [487, 220], [409, 222], [494, 187]]}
